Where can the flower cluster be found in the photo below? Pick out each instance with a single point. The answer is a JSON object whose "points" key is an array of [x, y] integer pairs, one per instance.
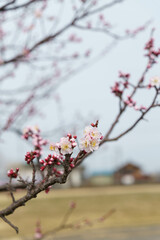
{"points": [[65, 146], [74, 38], [116, 89], [37, 140], [120, 86], [152, 53], [149, 44], [131, 103], [13, 174], [124, 75], [141, 108], [60, 149], [30, 132], [51, 160], [31, 156], [91, 139], [103, 21]]}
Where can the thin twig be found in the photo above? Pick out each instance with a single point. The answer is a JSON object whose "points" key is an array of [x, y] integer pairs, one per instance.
{"points": [[10, 224], [10, 190]]}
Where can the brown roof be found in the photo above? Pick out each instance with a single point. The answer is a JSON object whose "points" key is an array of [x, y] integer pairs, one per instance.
{"points": [[128, 168]]}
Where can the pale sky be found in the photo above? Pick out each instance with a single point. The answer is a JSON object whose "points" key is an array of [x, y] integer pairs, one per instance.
{"points": [[88, 94]]}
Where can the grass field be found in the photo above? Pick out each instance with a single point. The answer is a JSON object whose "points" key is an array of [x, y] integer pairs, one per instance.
{"points": [[135, 206]]}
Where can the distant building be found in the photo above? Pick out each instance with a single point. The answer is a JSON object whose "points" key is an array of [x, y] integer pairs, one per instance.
{"points": [[101, 178], [130, 174], [75, 179]]}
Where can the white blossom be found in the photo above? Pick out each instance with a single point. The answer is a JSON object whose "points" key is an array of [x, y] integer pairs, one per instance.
{"points": [[155, 81], [91, 139], [65, 145], [93, 132], [54, 147], [85, 144]]}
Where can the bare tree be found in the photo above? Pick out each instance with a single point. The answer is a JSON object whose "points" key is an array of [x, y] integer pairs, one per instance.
{"points": [[42, 40]]}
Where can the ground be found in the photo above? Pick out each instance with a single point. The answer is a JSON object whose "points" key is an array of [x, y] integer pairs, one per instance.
{"points": [[129, 233], [137, 215]]}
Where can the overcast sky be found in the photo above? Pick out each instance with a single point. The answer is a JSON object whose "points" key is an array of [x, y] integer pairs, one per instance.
{"points": [[88, 94]]}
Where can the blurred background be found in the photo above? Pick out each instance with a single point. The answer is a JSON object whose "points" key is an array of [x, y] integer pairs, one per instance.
{"points": [[58, 75]]}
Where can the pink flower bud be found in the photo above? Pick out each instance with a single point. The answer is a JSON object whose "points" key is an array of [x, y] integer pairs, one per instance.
{"points": [[71, 159], [12, 174], [41, 161], [72, 165], [47, 189], [69, 135], [72, 205], [42, 168]]}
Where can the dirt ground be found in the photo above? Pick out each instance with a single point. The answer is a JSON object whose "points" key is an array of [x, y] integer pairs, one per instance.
{"points": [[136, 233]]}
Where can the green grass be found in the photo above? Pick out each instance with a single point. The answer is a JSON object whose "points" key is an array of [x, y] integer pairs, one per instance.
{"points": [[135, 206]]}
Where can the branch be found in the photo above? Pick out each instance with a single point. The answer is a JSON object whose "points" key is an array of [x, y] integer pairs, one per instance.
{"points": [[105, 31], [10, 224], [103, 7], [6, 5], [41, 42], [135, 123], [108, 5], [21, 56], [74, 224], [5, 9]]}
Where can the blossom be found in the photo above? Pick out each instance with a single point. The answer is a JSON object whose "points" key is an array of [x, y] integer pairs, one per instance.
{"points": [[89, 144], [65, 145], [92, 132], [85, 144], [94, 144], [54, 147], [155, 81], [91, 139], [37, 140]]}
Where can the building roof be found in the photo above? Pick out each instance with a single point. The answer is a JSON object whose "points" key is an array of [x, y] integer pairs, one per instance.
{"points": [[128, 167]]}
